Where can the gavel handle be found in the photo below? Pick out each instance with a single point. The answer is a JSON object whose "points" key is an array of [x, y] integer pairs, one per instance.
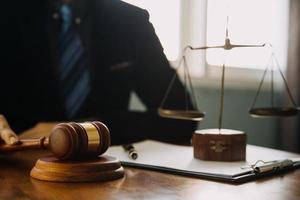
{"points": [[25, 144]]}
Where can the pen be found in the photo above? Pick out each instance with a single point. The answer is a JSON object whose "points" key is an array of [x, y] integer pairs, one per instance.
{"points": [[132, 153]]}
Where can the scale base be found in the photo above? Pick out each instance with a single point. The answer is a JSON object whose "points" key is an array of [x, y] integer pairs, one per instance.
{"points": [[103, 168], [219, 145]]}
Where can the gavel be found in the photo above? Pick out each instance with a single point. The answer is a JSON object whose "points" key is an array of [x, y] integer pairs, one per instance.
{"points": [[69, 141]]}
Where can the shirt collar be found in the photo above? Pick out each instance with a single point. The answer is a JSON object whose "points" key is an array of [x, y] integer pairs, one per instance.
{"points": [[79, 8]]}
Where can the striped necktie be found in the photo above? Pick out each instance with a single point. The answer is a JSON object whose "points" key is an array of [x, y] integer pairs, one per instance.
{"points": [[74, 74]]}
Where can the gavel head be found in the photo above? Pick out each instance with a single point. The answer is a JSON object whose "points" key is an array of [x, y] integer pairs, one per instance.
{"points": [[71, 141]]}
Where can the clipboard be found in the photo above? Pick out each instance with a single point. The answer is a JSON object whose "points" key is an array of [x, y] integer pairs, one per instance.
{"points": [[175, 159]]}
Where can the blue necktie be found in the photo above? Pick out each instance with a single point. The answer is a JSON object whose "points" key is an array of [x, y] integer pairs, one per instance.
{"points": [[74, 74]]}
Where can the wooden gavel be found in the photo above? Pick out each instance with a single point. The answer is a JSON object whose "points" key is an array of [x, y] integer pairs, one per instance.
{"points": [[69, 141]]}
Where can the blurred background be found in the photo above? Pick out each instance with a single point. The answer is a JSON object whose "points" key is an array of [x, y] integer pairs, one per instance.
{"points": [[203, 22]]}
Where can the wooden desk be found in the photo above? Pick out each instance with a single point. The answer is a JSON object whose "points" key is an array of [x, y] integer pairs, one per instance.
{"points": [[15, 183]]}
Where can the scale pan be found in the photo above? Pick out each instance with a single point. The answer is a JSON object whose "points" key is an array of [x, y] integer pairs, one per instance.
{"points": [[273, 111], [191, 115]]}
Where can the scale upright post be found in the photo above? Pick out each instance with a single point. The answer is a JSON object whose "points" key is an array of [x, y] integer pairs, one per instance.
{"points": [[220, 144]]}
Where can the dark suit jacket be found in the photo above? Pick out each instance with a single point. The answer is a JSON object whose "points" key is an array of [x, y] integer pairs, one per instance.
{"points": [[123, 53]]}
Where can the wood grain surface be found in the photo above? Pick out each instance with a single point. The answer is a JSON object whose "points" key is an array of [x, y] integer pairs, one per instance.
{"points": [[15, 183]]}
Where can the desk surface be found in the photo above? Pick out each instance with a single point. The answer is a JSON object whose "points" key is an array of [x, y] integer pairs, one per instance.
{"points": [[15, 183]]}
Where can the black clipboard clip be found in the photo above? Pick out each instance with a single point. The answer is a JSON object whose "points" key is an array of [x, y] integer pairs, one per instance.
{"points": [[262, 169], [261, 166]]}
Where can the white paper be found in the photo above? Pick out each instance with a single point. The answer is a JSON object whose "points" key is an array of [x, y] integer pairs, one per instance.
{"points": [[181, 158]]}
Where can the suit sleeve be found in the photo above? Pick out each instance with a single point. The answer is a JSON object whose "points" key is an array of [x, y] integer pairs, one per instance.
{"points": [[153, 72], [152, 77]]}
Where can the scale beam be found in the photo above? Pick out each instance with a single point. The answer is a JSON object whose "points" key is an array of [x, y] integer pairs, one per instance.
{"points": [[227, 46]]}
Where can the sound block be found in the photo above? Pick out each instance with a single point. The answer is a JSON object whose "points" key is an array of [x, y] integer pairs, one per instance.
{"points": [[102, 168], [219, 145]]}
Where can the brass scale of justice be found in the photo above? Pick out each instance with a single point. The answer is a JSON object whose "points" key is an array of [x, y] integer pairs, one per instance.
{"points": [[224, 144]]}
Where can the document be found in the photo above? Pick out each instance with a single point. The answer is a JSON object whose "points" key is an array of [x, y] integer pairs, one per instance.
{"points": [[180, 159]]}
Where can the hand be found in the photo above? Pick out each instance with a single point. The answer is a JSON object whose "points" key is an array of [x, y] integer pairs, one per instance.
{"points": [[6, 133]]}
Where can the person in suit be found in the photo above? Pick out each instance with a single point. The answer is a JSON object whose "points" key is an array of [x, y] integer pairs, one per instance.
{"points": [[76, 60]]}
